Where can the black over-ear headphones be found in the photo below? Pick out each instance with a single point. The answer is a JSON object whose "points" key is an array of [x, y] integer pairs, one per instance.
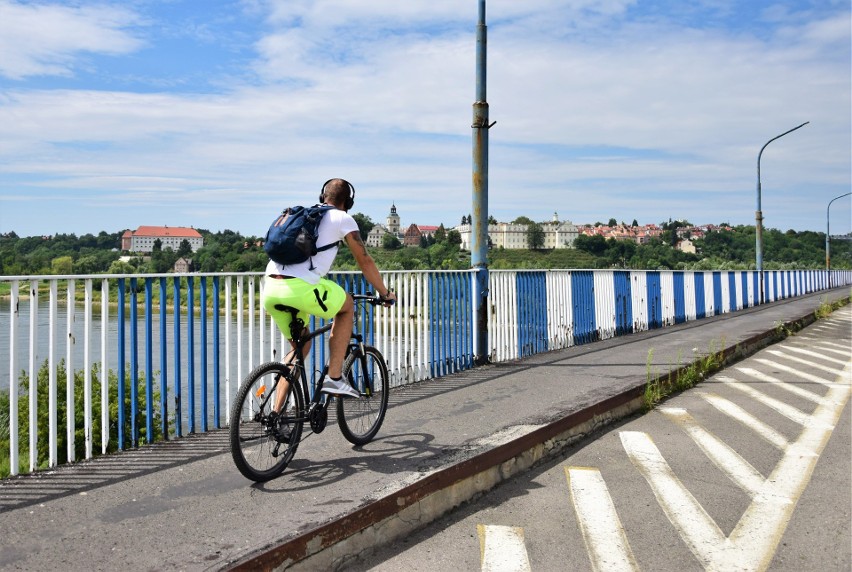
{"points": [[349, 201]]}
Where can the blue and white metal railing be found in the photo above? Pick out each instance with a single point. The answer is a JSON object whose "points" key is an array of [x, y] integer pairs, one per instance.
{"points": [[219, 332], [583, 306]]}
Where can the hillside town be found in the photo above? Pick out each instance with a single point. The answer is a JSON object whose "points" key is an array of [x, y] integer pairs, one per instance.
{"points": [[519, 243], [507, 235], [556, 233]]}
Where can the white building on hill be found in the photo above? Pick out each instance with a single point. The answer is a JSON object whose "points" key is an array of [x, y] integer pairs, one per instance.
{"points": [[143, 238], [557, 234]]}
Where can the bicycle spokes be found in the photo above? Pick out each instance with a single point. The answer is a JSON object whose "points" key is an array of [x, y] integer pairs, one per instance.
{"points": [[360, 418], [264, 440]]}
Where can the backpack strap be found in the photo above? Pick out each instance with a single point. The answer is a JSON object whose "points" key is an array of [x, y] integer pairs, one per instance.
{"points": [[320, 249], [329, 245], [325, 208]]}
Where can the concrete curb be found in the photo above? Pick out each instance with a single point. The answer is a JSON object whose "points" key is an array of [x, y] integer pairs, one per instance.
{"points": [[332, 545]]}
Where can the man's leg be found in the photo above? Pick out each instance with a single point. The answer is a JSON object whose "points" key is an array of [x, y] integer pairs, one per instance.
{"points": [[283, 384], [341, 333]]}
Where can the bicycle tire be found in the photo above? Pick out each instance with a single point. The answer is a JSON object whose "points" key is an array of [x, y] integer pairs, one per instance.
{"points": [[259, 446], [360, 419]]}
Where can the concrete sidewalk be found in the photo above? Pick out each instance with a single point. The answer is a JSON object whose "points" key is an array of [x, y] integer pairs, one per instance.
{"points": [[183, 505]]}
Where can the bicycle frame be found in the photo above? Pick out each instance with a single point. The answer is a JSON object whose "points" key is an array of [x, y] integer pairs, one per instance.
{"points": [[297, 357]]}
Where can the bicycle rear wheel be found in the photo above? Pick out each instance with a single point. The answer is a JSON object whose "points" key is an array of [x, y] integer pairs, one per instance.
{"points": [[361, 418], [262, 442]]}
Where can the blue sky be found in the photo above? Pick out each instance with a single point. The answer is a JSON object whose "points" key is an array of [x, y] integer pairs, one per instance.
{"points": [[216, 114]]}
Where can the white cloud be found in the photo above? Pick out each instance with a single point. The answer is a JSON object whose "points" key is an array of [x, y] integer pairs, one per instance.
{"points": [[49, 39], [598, 114]]}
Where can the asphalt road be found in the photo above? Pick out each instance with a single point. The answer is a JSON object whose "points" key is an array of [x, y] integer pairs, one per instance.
{"points": [[749, 470]]}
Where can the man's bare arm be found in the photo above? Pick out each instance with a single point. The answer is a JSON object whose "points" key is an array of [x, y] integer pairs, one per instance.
{"points": [[367, 264]]}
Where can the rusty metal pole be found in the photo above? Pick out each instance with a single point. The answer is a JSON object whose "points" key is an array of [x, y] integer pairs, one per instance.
{"points": [[479, 217]]}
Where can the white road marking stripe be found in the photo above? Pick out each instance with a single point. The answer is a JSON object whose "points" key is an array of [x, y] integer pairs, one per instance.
{"points": [[826, 344], [739, 414], [794, 389], [502, 549], [804, 375], [755, 538], [764, 522], [840, 362], [784, 409], [825, 368], [724, 457], [695, 526], [825, 348], [603, 534]]}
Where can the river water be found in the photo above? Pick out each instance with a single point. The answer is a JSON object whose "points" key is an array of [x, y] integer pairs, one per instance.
{"points": [[227, 378]]}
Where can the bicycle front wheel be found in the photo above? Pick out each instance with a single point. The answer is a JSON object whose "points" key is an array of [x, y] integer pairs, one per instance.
{"points": [[361, 418], [263, 442]]}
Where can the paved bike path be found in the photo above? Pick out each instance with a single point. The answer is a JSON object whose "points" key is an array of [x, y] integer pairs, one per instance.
{"points": [[183, 505]]}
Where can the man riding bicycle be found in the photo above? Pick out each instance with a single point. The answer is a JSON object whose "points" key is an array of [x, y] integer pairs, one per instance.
{"points": [[304, 286]]}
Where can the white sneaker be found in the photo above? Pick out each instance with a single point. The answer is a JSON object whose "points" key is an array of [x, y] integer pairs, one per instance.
{"points": [[338, 387]]}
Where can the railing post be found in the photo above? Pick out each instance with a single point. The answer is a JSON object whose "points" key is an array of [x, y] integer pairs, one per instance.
{"points": [[164, 377], [149, 361], [13, 382], [120, 395]]}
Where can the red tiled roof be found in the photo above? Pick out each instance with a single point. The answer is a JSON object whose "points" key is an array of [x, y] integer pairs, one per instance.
{"points": [[163, 231]]}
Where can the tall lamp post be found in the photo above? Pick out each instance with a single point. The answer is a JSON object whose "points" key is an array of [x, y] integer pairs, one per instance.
{"points": [[828, 235], [758, 215]]}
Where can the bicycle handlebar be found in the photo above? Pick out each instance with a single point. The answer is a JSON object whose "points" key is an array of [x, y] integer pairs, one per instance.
{"points": [[372, 299]]}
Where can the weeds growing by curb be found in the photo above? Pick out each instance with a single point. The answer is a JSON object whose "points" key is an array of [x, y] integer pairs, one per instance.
{"points": [[684, 377], [659, 387]]}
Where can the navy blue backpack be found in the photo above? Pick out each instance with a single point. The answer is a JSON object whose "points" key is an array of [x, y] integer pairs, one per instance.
{"points": [[292, 237]]}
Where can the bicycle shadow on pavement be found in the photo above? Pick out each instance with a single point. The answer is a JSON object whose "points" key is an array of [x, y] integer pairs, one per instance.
{"points": [[391, 455]]}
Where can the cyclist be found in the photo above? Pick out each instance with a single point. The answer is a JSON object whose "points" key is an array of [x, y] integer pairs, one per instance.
{"points": [[304, 286]]}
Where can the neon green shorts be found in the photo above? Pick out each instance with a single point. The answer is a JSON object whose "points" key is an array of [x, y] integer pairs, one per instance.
{"points": [[324, 299]]}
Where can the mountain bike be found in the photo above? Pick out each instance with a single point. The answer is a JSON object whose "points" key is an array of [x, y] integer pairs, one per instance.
{"points": [[263, 441]]}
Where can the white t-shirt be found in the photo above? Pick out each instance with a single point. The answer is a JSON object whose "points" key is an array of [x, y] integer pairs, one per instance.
{"points": [[334, 226]]}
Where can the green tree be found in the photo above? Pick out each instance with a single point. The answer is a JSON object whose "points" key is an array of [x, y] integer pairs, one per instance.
{"points": [[87, 265], [62, 265], [535, 236], [365, 224], [184, 250], [620, 252], [454, 237], [594, 245], [120, 267], [391, 242]]}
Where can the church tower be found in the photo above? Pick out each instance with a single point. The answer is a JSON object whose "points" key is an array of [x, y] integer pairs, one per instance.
{"points": [[393, 221]]}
